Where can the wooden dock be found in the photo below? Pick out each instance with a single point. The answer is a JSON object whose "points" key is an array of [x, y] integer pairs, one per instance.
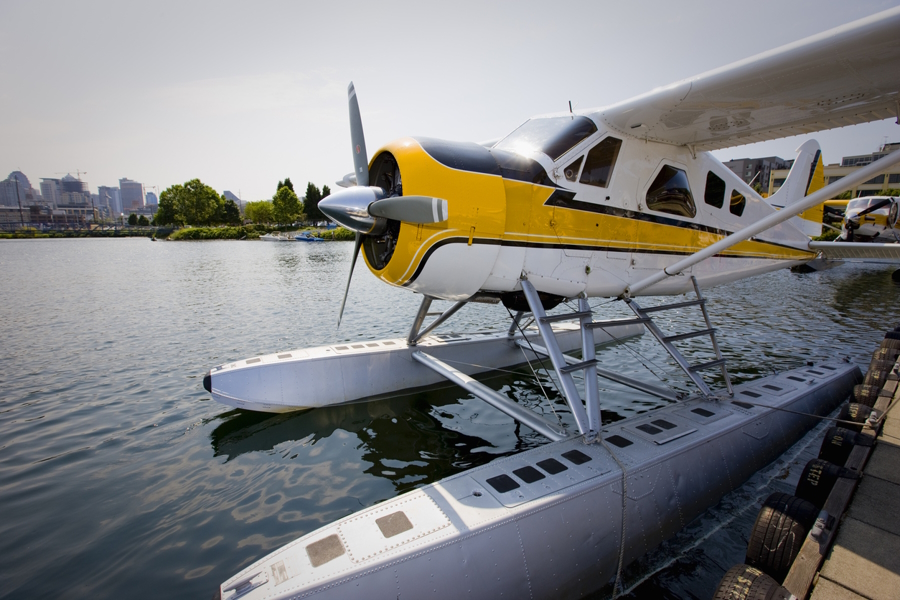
{"points": [[864, 560]]}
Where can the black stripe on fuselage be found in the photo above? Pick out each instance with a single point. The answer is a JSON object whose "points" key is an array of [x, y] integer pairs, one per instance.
{"points": [[474, 158], [567, 200], [556, 246]]}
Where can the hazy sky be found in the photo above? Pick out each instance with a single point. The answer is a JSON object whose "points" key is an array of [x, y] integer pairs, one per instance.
{"points": [[242, 95]]}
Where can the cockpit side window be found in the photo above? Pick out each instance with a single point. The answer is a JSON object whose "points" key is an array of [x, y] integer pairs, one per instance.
{"points": [[600, 162], [671, 193], [554, 136], [571, 172], [715, 190], [738, 202]]}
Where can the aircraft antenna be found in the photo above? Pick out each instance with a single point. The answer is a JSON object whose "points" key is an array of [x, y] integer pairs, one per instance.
{"points": [[570, 107]]}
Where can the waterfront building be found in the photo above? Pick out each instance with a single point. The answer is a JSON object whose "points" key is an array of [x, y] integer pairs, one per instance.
{"points": [[230, 196], [26, 196], [111, 197], [152, 200], [50, 190], [132, 195], [757, 170], [890, 179]]}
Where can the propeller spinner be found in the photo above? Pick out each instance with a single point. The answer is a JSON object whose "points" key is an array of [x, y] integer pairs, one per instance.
{"points": [[365, 209]]}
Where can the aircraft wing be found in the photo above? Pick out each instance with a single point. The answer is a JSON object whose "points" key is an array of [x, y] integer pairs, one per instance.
{"points": [[857, 250], [841, 77]]}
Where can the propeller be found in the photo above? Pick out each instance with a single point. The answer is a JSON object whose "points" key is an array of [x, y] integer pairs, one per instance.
{"points": [[853, 221], [364, 208], [874, 207]]}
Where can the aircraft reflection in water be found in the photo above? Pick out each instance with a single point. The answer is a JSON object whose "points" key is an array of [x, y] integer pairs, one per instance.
{"points": [[414, 443], [622, 202]]}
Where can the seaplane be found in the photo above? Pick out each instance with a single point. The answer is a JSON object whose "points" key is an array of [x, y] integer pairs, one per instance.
{"points": [[870, 219], [619, 202]]}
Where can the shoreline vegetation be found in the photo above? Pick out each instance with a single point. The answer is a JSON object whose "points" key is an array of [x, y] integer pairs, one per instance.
{"points": [[245, 232]]}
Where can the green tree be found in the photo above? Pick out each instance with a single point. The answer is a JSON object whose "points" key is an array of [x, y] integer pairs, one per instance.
{"points": [[165, 213], [143, 221], [286, 205], [311, 203], [193, 203], [260, 212], [231, 213], [133, 219], [286, 183]]}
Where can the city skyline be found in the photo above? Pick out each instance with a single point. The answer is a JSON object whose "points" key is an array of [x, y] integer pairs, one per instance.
{"points": [[242, 97]]}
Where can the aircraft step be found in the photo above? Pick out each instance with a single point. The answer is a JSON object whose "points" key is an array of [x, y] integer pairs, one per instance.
{"points": [[689, 335], [653, 390], [708, 365], [667, 340], [566, 316], [614, 322], [674, 306], [578, 366]]}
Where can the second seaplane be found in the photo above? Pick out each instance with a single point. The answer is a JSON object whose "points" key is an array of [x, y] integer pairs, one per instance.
{"points": [[621, 202]]}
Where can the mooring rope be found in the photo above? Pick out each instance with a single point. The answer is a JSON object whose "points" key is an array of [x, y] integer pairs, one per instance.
{"points": [[618, 584], [533, 372]]}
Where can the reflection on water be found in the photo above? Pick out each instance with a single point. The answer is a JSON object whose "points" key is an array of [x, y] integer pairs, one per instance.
{"points": [[117, 471]]}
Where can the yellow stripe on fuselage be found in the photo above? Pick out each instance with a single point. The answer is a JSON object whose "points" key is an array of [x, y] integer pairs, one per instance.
{"points": [[490, 209]]}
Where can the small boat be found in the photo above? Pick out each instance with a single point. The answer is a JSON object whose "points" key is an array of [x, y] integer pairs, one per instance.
{"points": [[308, 237], [276, 237]]}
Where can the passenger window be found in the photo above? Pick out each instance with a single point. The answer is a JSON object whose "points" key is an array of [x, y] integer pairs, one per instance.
{"points": [[715, 190], [671, 193], [600, 162], [571, 172], [738, 202]]}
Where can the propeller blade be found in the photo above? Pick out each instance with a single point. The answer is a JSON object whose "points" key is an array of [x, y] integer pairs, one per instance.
{"points": [[360, 157], [356, 248], [411, 209], [874, 207]]}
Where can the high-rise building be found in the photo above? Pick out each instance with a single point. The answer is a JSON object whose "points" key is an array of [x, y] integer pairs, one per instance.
{"points": [[757, 170], [73, 192], [132, 195], [230, 196], [151, 199], [50, 191], [111, 197], [8, 189]]}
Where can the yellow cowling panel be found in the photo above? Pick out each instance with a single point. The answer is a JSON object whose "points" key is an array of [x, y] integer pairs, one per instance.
{"points": [[476, 206]]}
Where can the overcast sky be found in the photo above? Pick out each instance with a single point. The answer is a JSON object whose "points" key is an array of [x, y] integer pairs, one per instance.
{"points": [[244, 94]]}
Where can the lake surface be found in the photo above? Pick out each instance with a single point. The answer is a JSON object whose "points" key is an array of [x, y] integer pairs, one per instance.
{"points": [[120, 477]]}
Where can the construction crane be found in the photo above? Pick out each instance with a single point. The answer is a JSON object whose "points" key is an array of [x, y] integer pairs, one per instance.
{"points": [[78, 172]]}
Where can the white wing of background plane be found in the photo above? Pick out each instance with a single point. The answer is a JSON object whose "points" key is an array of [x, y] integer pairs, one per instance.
{"points": [[857, 250], [844, 76]]}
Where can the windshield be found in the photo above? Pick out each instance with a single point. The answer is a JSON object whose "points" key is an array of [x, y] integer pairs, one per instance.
{"points": [[554, 136], [862, 203]]}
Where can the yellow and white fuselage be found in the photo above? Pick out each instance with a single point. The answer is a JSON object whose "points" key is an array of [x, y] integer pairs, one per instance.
{"points": [[590, 222]]}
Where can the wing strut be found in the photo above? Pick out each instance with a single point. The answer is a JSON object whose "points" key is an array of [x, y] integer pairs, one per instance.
{"points": [[829, 191]]}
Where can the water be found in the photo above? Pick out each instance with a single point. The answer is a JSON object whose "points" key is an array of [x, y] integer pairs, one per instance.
{"points": [[119, 476]]}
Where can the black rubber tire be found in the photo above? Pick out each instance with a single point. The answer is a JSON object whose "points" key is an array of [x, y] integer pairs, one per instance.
{"points": [[876, 377], [838, 443], [891, 354], [778, 534], [856, 413], [743, 582], [866, 393], [818, 479]]}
